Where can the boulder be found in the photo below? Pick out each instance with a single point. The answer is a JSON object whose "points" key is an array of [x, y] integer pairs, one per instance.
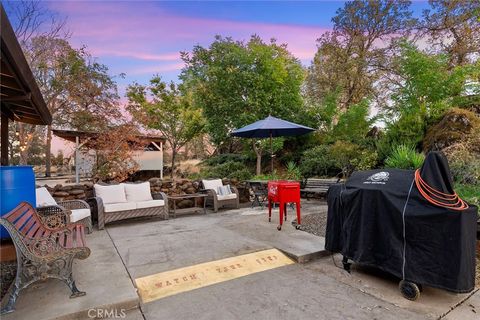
{"points": [[61, 194], [455, 126], [77, 192], [186, 203]]}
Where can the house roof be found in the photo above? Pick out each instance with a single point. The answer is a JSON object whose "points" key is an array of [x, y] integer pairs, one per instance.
{"points": [[71, 135], [21, 99]]}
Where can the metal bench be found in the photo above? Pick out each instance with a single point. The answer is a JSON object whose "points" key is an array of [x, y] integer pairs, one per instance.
{"points": [[317, 187], [44, 250]]}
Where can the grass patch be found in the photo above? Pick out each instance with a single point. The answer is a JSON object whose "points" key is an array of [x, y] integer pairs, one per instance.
{"points": [[469, 193]]}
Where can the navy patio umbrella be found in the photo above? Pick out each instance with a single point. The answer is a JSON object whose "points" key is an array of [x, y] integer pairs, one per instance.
{"points": [[271, 127]]}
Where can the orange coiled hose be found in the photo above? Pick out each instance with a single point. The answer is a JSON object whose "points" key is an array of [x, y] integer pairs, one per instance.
{"points": [[445, 200]]}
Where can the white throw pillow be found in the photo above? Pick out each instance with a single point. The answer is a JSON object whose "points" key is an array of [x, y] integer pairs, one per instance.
{"points": [[44, 198], [136, 192], [111, 194], [224, 190], [212, 184]]}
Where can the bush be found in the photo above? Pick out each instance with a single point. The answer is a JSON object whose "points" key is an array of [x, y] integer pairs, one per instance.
{"points": [[229, 169], [469, 193], [349, 157], [404, 157], [225, 157], [342, 156], [316, 162], [292, 171], [464, 164], [266, 177]]}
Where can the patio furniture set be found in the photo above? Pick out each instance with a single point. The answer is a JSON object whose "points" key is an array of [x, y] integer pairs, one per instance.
{"points": [[47, 239]]}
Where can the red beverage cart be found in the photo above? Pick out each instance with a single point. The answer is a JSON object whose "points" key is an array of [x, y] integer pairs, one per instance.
{"points": [[283, 192]]}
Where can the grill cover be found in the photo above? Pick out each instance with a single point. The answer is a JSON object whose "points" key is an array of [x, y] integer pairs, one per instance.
{"points": [[365, 225]]}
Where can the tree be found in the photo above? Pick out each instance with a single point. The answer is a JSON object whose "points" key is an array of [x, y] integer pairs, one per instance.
{"points": [[169, 111], [31, 19], [235, 83], [454, 27], [115, 152], [93, 96], [430, 86], [78, 90], [354, 57]]}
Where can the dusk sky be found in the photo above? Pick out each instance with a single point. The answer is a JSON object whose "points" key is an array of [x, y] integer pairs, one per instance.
{"points": [[141, 38]]}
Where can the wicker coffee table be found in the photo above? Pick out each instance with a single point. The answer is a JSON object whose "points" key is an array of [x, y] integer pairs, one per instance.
{"points": [[198, 205]]}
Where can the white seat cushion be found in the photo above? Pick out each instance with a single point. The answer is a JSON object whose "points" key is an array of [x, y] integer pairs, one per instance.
{"points": [[227, 196], [137, 192], [122, 206], [150, 204], [79, 214], [111, 194], [44, 198], [212, 184]]}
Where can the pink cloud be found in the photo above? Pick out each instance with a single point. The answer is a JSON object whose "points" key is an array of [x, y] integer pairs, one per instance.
{"points": [[155, 69], [147, 32], [138, 55]]}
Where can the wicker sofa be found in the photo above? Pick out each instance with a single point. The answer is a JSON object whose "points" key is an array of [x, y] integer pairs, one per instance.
{"points": [[217, 200], [128, 200]]}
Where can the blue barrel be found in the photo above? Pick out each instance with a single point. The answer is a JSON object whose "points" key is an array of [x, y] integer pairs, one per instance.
{"points": [[17, 184]]}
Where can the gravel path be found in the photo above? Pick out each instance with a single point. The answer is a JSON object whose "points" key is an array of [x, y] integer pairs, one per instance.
{"points": [[7, 272], [314, 223]]}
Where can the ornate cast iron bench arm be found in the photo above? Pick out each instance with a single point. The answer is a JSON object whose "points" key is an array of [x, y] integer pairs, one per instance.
{"points": [[54, 216], [59, 215], [42, 252]]}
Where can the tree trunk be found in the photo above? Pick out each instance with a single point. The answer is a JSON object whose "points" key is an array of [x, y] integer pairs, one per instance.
{"points": [[259, 164], [48, 152], [22, 136], [174, 155], [258, 152]]}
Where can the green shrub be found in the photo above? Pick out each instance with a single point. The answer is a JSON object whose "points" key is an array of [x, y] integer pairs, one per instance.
{"points": [[330, 160], [229, 169], [404, 157], [464, 164], [316, 162], [292, 171], [469, 193], [349, 157], [266, 177], [225, 157]]}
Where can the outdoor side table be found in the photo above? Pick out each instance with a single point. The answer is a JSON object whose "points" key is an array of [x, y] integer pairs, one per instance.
{"points": [[198, 206]]}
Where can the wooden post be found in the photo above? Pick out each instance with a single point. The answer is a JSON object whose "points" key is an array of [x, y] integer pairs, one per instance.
{"points": [[271, 152], [77, 146], [4, 140], [161, 160]]}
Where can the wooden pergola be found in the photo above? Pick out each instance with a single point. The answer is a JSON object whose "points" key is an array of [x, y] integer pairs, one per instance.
{"points": [[20, 97], [87, 139]]}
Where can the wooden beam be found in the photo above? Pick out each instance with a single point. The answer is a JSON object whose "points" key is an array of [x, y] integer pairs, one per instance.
{"points": [[4, 140], [26, 97], [10, 82]]}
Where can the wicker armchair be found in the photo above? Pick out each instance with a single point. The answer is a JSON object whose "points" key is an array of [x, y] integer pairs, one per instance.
{"points": [[71, 211], [217, 201], [43, 251], [63, 211]]}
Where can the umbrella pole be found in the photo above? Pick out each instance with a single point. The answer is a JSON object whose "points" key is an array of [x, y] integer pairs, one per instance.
{"points": [[271, 153]]}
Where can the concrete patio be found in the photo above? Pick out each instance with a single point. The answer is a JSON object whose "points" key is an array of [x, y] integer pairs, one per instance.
{"points": [[312, 288]]}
